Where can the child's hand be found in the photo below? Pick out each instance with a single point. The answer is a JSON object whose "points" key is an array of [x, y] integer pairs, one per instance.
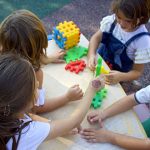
{"points": [[92, 62], [98, 83], [96, 116], [113, 77], [96, 136], [74, 93], [57, 57], [75, 130]]}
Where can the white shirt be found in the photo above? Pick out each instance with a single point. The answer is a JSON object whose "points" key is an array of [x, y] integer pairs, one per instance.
{"points": [[139, 49], [143, 95], [32, 135], [41, 97]]}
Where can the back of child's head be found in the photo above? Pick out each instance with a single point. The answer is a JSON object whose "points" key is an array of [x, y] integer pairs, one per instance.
{"points": [[17, 88], [138, 10], [22, 32]]}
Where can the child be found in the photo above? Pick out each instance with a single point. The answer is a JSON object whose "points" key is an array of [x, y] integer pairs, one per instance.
{"points": [[125, 41], [22, 131], [23, 33], [124, 141]]}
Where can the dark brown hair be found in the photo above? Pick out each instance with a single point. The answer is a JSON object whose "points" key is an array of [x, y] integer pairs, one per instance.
{"points": [[22, 32], [17, 93], [133, 9]]}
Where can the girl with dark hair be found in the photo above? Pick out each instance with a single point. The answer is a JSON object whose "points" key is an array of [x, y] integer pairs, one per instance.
{"points": [[20, 130], [124, 40], [23, 33]]}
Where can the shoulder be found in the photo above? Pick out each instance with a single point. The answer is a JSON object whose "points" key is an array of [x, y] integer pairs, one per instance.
{"points": [[32, 135], [143, 95], [106, 22], [37, 132], [142, 46]]}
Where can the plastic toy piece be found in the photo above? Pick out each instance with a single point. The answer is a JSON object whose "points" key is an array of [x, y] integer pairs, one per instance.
{"points": [[104, 71], [49, 37], [143, 113], [66, 34], [146, 125], [76, 66], [99, 68], [75, 53], [98, 98]]}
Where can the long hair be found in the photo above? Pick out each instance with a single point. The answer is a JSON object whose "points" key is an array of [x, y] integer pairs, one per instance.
{"points": [[133, 9], [17, 92], [22, 32]]}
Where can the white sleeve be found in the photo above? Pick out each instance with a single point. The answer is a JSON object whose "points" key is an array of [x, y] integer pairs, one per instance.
{"points": [[142, 54], [106, 22], [143, 95], [41, 98], [33, 135]]}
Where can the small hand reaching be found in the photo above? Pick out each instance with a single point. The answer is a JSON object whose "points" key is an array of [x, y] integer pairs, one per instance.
{"points": [[96, 136], [92, 62], [96, 116], [57, 57], [113, 77], [74, 93]]}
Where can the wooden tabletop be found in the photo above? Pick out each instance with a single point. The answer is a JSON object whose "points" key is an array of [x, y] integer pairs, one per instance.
{"points": [[57, 80]]}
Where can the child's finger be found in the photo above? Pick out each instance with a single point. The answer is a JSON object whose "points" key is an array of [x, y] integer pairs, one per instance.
{"points": [[93, 118], [100, 123], [75, 85]]}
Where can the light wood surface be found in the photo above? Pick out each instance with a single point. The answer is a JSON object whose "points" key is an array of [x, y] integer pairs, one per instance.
{"points": [[57, 80]]}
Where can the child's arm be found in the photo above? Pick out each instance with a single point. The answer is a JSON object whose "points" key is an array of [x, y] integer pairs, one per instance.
{"points": [[56, 57], [128, 142], [103, 135], [116, 76], [124, 141], [73, 93], [61, 127], [93, 45], [118, 107]]}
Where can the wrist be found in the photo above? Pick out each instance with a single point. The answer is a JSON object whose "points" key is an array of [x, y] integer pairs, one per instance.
{"points": [[90, 55], [123, 76], [108, 136], [112, 137], [104, 115], [67, 97]]}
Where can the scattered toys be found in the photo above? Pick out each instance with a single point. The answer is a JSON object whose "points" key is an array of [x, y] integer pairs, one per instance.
{"points": [[100, 95], [76, 66], [98, 98], [66, 34], [75, 53]]}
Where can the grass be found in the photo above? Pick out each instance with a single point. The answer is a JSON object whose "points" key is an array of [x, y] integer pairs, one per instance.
{"points": [[41, 8]]}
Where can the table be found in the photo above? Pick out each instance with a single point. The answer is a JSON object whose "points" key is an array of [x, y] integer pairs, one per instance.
{"points": [[57, 80]]}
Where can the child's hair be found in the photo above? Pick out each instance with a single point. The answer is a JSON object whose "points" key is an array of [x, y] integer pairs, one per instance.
{"points": [[22, 32], [17, 93], [133, 9]]}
